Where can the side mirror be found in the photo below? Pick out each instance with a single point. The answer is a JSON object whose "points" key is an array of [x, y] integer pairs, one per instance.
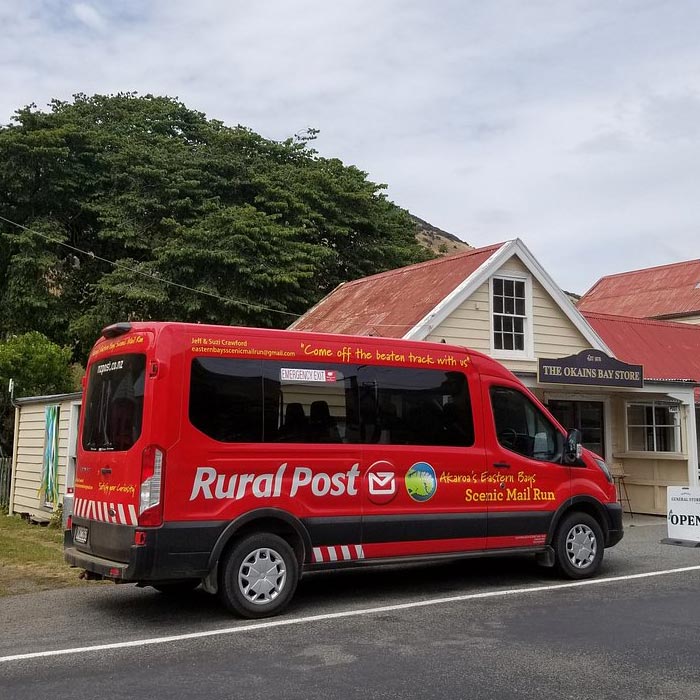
{"points": [[572, 448]]}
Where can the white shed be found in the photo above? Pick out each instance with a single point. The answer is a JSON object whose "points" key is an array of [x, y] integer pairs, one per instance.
{"points": [[44, 451]]}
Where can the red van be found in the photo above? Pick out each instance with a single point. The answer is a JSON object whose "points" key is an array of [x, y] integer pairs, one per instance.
{"points": [[240, 458]]}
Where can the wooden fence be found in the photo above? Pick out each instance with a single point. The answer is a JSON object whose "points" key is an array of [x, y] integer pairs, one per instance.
{"points": [[5, 480]]}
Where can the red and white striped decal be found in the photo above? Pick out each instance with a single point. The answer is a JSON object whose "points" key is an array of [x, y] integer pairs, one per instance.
{"points": [[98, 510], [343, 552]]}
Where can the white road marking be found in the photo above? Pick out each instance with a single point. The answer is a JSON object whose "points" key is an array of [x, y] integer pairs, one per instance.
{"points": [[268, 624]]}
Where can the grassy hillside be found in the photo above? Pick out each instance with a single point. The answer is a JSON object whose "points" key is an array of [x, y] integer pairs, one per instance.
{"points": [[438, 241]]}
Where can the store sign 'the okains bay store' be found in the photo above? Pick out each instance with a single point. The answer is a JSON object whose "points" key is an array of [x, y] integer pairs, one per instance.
{"points": [[590, 368]]}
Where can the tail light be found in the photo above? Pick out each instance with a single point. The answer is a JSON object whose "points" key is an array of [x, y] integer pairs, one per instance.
{"points": [[151, 498]]}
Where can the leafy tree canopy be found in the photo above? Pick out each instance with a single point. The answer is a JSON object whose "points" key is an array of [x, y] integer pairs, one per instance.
{"points": [[37, 367], [155, 192]]}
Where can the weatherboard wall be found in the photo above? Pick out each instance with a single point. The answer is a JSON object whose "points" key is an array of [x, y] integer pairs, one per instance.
{"points": [[648, 474], [554, 335]]}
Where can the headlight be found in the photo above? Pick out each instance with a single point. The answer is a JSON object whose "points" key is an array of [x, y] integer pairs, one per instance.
{"points": [[604, 468]]}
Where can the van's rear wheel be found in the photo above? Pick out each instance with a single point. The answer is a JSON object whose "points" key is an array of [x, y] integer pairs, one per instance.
{"points": [[259, 576], [579, 546]]}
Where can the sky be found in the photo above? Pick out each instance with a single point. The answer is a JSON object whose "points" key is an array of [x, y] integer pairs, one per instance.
{"points": [[573, 125]]}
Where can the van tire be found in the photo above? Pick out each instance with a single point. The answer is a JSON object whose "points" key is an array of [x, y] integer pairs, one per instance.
{"points": [[578, 545], [258, 576]]}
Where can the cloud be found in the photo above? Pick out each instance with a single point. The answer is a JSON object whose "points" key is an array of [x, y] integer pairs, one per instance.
{"points": [[572, 125], [89, 16], [675, 117]]}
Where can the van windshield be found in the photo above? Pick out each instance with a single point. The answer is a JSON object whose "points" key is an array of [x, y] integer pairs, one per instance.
{"points": [[114, 403]]}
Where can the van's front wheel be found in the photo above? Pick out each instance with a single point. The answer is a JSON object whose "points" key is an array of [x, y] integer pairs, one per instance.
{"points": [[579, 546], [259, 576]]}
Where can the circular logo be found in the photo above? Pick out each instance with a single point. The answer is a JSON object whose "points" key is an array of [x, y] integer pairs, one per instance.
{"points": [[381, 482], [421, 482]]}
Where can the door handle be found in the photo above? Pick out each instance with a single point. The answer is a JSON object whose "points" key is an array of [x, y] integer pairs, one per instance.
{"points": [[501, 465], [106, 470]]}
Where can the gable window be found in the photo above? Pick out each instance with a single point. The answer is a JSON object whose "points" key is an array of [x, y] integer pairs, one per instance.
{"points": [[653, 427], [510, 305]]}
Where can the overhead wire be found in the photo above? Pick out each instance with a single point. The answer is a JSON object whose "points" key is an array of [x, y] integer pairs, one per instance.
{"points": [[157, 278], [135, 271]]}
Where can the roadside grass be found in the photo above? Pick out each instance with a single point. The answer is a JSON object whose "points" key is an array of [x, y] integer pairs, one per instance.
{"points": [[31, 558]]}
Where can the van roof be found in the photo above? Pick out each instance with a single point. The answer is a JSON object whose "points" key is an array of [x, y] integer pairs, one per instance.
{"points": [[482, 362]]}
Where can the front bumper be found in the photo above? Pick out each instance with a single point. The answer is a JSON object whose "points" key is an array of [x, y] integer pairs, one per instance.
{"points": [[615, 528]]}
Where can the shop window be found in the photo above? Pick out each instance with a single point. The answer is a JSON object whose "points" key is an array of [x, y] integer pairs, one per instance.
{"points": [[510, 297], [586, 416], [653, 427]]}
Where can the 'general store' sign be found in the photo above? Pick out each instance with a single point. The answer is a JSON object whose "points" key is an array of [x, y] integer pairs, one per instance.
{"points": [[683, 513], [590, 368]]}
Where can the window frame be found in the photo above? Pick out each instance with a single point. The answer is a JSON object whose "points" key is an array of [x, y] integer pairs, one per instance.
{"points": [[528, 352], [677, 431]]}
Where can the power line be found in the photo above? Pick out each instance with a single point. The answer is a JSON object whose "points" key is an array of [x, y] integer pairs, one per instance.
{"points": [[121, 266], [93, 256]]}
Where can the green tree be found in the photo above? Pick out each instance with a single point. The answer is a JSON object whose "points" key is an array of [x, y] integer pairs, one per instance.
{"points": [[156, 193], [37, 366]]}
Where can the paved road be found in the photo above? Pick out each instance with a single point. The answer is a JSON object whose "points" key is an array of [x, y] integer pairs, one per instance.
{"points": [[626, 638]]}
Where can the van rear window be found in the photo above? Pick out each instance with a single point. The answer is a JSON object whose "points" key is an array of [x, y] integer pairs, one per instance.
{"points": [[114, 403], [235, 400]]}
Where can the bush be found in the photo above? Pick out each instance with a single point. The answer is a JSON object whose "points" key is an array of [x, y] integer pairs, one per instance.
{"points": [[56, 522], [37, 367]]}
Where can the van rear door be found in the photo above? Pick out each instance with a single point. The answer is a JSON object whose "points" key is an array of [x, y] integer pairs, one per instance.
{"points": [[108, 472]]}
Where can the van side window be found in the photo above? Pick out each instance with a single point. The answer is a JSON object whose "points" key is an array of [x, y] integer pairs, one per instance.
{"points": [[405, 406], [226, 399], [235, 400], [252, 401], [311, 404], [522, 427]]}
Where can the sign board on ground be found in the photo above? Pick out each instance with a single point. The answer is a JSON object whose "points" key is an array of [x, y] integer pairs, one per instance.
{"points": [[683, 513]]}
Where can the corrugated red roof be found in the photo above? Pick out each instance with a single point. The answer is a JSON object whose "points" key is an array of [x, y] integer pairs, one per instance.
{"points": [[391, 303], [666, 350], [668, 290]]}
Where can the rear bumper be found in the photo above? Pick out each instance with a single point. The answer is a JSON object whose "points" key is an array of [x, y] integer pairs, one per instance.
{"points": [[615, 529], [115, 570], [171, 553]]}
